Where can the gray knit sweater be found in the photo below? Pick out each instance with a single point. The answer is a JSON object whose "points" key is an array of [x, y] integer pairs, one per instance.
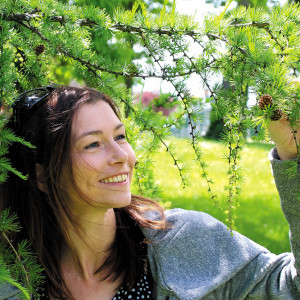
{"points": [[198, 258]]}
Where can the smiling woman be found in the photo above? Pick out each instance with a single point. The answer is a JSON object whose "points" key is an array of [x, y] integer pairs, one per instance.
{"points": [[102, 158], [76, 207], [96, 240]]}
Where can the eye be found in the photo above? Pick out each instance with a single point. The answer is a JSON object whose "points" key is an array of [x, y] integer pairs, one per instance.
{"points": [[121, 137], [92, 145]]}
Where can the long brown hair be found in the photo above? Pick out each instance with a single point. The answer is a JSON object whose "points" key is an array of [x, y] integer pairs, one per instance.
{"points": [[42, 215]]}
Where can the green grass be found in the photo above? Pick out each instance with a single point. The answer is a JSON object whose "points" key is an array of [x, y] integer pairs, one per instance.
{"points": [[259, 215]]}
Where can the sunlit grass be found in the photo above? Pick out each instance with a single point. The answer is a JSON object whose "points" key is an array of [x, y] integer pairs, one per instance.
{"points": [[259, 215]]}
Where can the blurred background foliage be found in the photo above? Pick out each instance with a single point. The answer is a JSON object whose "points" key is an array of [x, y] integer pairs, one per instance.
{"points": [[123, 53]]}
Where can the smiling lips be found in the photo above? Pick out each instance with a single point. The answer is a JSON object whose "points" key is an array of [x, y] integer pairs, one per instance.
{"points": [[115, 179]]}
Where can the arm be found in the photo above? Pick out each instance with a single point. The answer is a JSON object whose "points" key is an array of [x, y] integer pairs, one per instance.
{"points": [[281, 278], [278, 277], [287, 176], [199, 259]]}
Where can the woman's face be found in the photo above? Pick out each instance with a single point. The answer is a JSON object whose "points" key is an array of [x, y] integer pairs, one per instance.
{"points": [[102, 159]]}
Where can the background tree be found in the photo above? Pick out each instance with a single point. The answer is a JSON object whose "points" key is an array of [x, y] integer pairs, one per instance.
{"points": [[247, 47]]}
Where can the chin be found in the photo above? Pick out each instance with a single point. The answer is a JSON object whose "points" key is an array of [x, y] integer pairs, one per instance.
{"points": [[122, 204]]}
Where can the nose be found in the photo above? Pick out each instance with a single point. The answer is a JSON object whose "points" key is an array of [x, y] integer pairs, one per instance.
{"points": [[117, 155]]}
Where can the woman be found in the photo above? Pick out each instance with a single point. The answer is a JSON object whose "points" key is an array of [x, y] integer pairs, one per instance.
{"points": [[97, 241]]}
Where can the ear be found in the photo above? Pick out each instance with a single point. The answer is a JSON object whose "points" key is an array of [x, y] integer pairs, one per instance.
{"points": [[39, 172]]}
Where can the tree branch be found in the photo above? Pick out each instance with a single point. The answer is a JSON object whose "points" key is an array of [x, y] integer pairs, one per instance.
{"points": [[27, 17], [263, 25], [94, 68]]}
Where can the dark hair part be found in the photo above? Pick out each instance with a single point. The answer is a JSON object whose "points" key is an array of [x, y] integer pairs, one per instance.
{"points": [[44, 217]]}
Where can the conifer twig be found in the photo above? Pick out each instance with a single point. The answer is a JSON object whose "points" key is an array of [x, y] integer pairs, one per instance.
{"points": [[183, 97], [263, 25], [18, 258]]}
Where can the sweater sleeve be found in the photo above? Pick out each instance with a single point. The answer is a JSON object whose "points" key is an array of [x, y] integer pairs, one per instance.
{"points": [[282, 280], [9, 292], [287, 180], [197, 258]]}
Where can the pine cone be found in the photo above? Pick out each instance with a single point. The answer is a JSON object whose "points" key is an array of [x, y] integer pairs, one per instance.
{"points": [[39, 49], [264, 101], [278, 113]]}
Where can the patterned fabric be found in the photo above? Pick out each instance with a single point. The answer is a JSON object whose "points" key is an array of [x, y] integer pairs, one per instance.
{"points": [[142, 289]]}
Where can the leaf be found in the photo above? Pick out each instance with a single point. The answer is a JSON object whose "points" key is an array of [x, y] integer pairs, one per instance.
{"points": [[8, 222]]}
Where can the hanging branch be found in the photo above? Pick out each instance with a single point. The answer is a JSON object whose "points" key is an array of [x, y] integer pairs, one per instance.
{"points": [[193, 127], [159, 136], [146, 157], [231, 177], [183, 96], [234, 147]]}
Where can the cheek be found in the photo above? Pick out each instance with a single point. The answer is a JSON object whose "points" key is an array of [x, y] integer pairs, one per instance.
{"points": [[87, 163]]}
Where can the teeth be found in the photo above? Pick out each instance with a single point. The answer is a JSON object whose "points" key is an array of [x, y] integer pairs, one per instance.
{"points": [[119, 178]]}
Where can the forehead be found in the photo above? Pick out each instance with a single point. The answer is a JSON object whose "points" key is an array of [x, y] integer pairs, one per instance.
{"points": [[94, 116]]}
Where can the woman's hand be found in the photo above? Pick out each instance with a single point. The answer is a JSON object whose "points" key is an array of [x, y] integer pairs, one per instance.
{"points": [[285, 137]]}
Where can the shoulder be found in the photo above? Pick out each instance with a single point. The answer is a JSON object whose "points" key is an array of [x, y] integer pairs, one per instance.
{"points": [[185, 224], [199, 245], [198, 234]]}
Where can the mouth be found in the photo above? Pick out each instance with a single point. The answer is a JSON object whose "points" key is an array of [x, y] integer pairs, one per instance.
{"points": [[115, 179]]}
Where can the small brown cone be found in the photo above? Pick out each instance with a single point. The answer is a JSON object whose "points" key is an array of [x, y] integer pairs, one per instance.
{"points": [[264, 101], [277, 115], [39, 49]]}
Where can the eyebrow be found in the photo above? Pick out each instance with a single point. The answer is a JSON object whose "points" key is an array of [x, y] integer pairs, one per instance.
{"points": [[97, 132]]}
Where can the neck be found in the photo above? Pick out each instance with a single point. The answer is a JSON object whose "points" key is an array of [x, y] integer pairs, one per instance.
{"points": [[91, 246]]}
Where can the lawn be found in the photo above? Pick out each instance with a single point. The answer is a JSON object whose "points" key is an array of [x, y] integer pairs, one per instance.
{"points": [[258, 216]]}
